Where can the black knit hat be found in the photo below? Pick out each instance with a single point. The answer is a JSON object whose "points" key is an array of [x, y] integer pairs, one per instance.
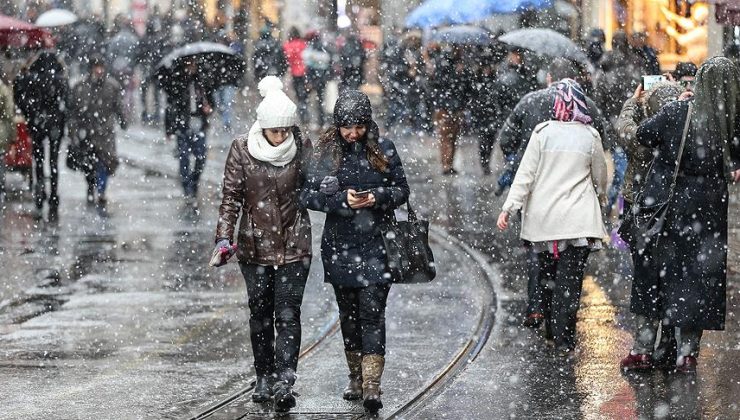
{"points": [[352, 108]]}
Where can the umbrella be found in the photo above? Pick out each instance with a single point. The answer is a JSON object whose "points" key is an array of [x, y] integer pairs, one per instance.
{"points": [[18, 34], [544, 42], [450, 12], [462, 34], [218, 63], [56, 17]]}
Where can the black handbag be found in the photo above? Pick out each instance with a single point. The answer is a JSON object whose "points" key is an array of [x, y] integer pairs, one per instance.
{"points": [[75, 155], [410, 259], [652, 200]]}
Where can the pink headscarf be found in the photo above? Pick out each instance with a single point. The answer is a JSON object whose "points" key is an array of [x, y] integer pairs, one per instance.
{"points": [[570, 102]]}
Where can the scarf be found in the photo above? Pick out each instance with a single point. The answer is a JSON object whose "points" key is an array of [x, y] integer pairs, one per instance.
{"points": [[570, 102], [262, 150]]}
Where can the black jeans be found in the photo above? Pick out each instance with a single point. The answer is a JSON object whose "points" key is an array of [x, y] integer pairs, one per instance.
{"points": [[39, 134], [275, 296], [362, 317], [561, 281]]}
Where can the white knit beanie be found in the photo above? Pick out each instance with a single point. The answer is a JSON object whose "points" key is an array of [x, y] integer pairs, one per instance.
{"points": [[276, 109]]}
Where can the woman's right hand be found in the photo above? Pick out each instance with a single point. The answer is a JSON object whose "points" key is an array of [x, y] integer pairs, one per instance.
{"points": [[503, 220], [638, 91], [359, 202]]}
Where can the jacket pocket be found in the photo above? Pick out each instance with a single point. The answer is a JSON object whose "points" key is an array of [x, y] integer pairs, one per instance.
{"points": [[246, 242], [298, 235]]}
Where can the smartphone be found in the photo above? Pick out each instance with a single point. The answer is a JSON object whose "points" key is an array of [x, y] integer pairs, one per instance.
{"points": [[648, 81], [362, 194]]}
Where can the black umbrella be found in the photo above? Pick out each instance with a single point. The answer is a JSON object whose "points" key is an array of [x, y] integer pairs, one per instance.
{"points": [[218, 64], [545, 42]]}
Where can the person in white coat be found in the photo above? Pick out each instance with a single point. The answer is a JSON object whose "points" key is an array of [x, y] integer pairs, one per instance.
{"points": [[560, 188]]}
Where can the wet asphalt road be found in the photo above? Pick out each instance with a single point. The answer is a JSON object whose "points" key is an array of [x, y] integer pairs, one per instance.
{"points": [[119, 317]]}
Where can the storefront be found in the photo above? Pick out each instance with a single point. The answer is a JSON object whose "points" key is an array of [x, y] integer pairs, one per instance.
{"points": [[679, 30]]}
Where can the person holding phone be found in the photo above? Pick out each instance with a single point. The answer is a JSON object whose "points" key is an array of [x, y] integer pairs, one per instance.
{"points": [[263, 177], [357, 179]]}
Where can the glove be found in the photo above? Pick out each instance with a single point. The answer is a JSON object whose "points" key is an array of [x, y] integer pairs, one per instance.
{"points": [[221, 254], [329, 185]]}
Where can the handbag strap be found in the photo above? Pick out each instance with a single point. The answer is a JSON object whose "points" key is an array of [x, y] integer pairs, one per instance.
{"points": [[680, 148]]}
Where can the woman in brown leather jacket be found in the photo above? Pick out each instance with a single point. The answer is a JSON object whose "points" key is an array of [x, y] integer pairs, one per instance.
{"points": [[262, 180]]}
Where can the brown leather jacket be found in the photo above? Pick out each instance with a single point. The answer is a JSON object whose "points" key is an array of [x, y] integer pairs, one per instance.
{"points": [[273, 229]]}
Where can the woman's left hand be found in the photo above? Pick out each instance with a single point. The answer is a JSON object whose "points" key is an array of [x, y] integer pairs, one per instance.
{"points": [[356, 202]]}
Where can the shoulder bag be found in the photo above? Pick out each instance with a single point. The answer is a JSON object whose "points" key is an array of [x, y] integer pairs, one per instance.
{"points": [[410, 259], [650, 211]]}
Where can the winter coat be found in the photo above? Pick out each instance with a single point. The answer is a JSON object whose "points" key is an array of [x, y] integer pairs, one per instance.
{"points": [[7, 112], [451, 82], [561, 184], [184, 103], [268, 58], [535, 108], [95, 107], [692, 249], [352, 61], [512, 83], [620, 74], [273, 229], [40, 93], [634, 111], [352, 246], [293, 53]]}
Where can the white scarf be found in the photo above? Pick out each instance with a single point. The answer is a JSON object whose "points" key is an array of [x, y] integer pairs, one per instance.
{"points": [[262, 150]]}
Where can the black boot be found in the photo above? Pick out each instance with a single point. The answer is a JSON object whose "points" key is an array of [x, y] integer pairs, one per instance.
{"points": [[666, 354], [284, 398], [262, 389]]}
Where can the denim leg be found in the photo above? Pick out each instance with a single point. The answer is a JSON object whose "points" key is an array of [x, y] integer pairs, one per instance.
{"points": [[645, 332], [620, 167], [261, 293], [199, 151], [290, 282], [183, 149], [101, 178]]}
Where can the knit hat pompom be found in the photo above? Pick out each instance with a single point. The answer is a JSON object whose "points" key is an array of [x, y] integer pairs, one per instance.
{"points": [[269, 84], [276, 109]]}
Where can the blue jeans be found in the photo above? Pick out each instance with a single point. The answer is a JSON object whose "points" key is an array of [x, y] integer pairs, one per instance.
{"points": [[225, 103], [620, 167], [191, 143], [101, 178]]}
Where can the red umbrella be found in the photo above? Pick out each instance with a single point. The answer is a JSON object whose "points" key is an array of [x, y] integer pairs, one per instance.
{"points": [[18, 34]]}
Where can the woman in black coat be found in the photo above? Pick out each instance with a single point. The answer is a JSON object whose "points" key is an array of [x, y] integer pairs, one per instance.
{"points": [[692, 247], [357, 180]]}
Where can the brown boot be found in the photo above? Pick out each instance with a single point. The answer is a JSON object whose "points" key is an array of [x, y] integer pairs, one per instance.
{"points": [[354, 388], [372, 370]]}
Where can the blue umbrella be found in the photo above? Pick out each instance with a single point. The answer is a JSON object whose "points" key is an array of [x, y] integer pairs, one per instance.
{"points": [[450, 12], [463, 34]]}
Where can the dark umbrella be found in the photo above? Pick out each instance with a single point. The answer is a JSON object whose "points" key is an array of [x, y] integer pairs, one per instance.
{"points": [[219, 64], [544, 42], [462, 34]]}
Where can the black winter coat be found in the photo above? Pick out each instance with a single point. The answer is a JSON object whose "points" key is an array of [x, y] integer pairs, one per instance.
{"points": [[352, 246], [41, 93], [692, 249]]}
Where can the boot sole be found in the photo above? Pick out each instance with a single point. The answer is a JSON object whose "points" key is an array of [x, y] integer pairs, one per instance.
{"points": [[372, 406], [352, 397], [260, 399], [284, 404]]}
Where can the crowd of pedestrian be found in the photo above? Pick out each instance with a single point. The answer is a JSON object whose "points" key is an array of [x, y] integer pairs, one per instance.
{"points": [[674, 147]]}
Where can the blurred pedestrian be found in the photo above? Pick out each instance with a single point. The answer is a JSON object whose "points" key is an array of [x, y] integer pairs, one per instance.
{"points": [[226, 94], [595, 46], [293, 49], [150, 50], [95, 106], [560, 188], [691, 253], [189, 104], [274, 262], [685, 74], [40, 92], [514, 78], [358, 181], [317, 59], [7, 130], [450, 80], [268, 57], [649, 56], [352, 62]]}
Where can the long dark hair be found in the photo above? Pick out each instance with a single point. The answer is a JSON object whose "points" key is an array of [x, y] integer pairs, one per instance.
{"points": [[330, 146]]}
